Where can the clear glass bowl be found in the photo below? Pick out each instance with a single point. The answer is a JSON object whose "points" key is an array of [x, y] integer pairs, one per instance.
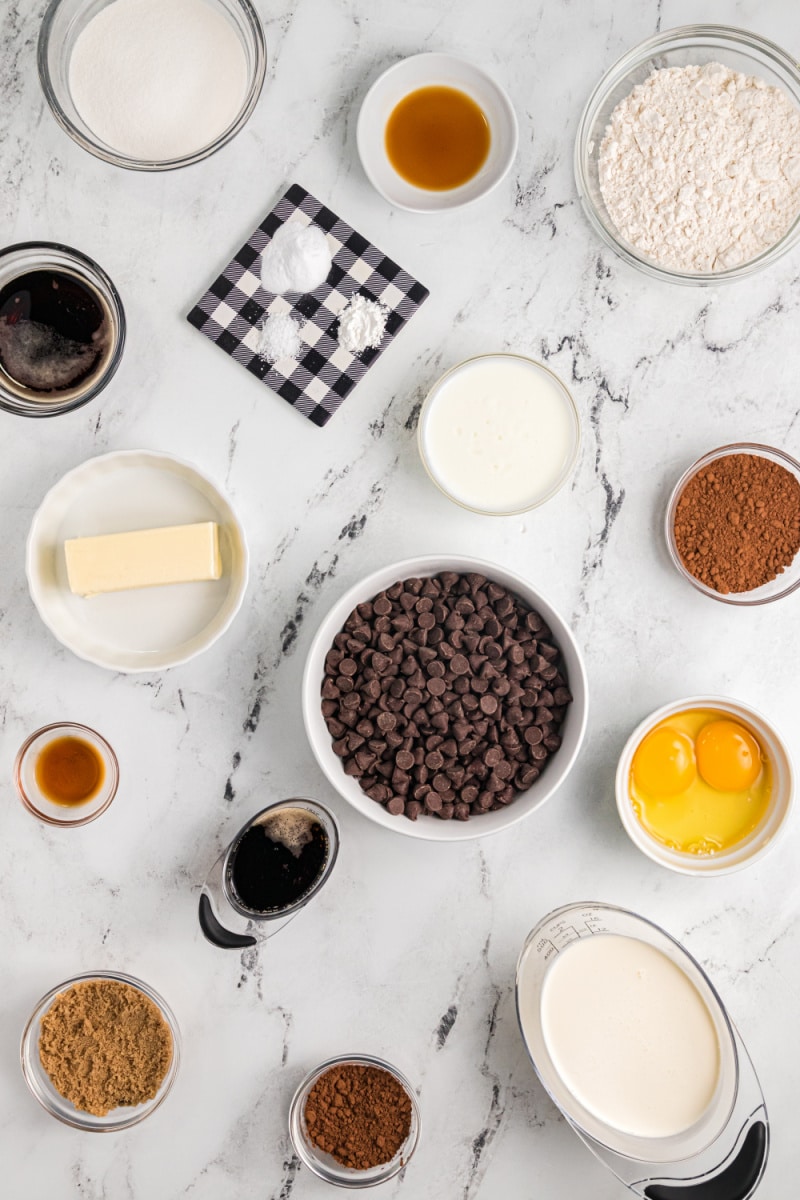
{"points": [[24, 257], [569, 408], [57, 1105], [788, 580], [31, 795], [324, 1165], [734, 48], [65, 20]]}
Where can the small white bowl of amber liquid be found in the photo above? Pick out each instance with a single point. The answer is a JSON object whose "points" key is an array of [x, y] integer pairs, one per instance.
{"points": [[436, 133], [705, 785], [66, 774]]}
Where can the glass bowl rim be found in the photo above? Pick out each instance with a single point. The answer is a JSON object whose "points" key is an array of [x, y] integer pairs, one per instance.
{"points": [[11, 404], [638, 55], [569, 405], [112, 761], [108, 154], [332, 1174], [76, 1121], [758, 450]]}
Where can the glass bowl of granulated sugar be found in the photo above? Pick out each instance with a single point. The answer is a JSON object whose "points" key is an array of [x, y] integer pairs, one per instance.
{"points": [[687, 158], [151, 86]]}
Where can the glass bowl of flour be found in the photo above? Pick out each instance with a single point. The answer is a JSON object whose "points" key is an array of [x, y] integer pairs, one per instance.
{"points": [[151, 86], [687, 159]]}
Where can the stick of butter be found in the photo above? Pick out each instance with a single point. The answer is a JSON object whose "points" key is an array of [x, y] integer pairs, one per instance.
{"points": [[115, 562]]}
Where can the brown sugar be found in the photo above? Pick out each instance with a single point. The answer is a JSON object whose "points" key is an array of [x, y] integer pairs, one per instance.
{"points": [[360, 1115], [104, 1043], [737, 522]]}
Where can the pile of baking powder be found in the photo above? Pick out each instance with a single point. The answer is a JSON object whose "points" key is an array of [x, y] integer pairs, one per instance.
{"points": [[700, 167]]}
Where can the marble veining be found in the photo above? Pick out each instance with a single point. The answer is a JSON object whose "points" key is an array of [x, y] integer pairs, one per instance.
{"points": [[410, 950]]}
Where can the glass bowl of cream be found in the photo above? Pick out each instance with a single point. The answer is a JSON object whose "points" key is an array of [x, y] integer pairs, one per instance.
{"points": [[739, 51], [499, 434], [150, 86]]}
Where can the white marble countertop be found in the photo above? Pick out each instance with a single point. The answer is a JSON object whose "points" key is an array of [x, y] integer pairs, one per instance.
{"points": [[410, 950]]}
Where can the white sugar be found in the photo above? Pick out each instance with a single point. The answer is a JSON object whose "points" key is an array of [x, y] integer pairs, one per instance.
{"points": [[158, 79]]}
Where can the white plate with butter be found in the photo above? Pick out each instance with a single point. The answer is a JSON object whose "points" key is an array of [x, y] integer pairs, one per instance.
{"points": [[137, 628]]}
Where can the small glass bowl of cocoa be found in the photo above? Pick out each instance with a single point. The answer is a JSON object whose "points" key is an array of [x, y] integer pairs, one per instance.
{"points": [[354, 1121], [733, 524]]}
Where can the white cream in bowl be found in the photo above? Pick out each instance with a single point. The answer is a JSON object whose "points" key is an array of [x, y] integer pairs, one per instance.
{"points": [[499, 434]]}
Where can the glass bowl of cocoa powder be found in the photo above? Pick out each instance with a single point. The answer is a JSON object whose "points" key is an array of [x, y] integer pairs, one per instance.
{"points": [[100, 1051], [733, 524], [354, 1121]]}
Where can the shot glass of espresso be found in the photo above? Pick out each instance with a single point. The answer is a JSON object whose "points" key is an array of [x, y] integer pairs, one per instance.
{"points": [[276, 863]]}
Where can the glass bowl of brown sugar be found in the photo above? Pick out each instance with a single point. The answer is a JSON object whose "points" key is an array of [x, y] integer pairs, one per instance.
{"points": [[101, 1051], [733, 524], [354, 1121]]}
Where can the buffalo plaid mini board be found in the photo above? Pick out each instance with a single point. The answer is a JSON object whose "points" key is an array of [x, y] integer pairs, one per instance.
{"points": [[236, 305]]}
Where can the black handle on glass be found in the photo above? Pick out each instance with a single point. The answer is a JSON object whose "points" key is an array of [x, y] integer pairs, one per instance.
{"points": [[736, 1182], [217, 934]]}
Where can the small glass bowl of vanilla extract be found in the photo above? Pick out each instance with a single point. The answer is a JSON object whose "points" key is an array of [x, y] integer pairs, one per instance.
{"points": [[66, 774]]}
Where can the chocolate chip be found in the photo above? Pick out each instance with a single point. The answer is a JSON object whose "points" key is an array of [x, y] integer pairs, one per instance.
{"points": [[444, 695]]}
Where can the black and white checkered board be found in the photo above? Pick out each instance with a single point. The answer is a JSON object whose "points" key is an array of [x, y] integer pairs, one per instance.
{"points": [[325, 373]]}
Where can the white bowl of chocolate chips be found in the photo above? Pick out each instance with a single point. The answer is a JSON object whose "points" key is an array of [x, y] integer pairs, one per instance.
{"points": [[445, 698]]}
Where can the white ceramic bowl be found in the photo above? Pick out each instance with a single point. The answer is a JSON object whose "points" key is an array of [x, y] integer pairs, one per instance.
{"points": [[434, 70], [145, 629], [426, 827], [762, 838]]}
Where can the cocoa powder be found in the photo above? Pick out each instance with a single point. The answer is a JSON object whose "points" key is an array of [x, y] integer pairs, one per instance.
{"points": [[737, 522], [360, 1115]]}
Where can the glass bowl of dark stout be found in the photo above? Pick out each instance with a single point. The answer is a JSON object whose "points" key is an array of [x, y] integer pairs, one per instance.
{"points": [[274, 866], [66, 774], [62, 329]]}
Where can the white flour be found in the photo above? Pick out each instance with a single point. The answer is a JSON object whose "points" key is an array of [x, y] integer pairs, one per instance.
{"points": [[158, 79], [700, 167], [362, 324]]}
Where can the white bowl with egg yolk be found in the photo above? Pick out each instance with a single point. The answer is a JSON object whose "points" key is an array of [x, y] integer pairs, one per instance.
{"points": [[755, 844]]}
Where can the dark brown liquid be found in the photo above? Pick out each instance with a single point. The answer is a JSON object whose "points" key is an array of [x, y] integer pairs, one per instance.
{"points": [[278, 861], [437, 138], [55, 333], [69, 771]]}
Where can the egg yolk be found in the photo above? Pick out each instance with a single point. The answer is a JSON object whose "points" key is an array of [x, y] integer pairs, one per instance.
{"points": [[728, 756], [664, 764]]}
